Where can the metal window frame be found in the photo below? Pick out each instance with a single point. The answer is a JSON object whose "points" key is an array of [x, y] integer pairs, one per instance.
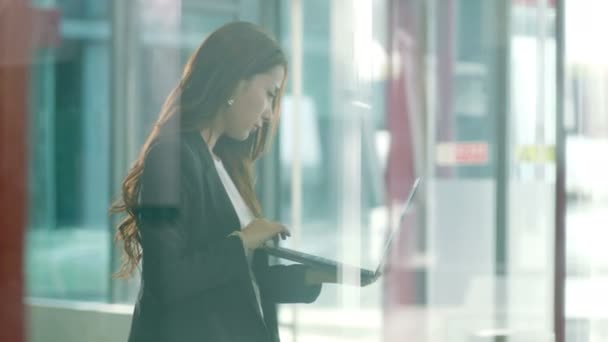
{"points": [[559, 283]]}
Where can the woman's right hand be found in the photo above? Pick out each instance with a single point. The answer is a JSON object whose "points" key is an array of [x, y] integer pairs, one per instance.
{"points": [[261, 230]]}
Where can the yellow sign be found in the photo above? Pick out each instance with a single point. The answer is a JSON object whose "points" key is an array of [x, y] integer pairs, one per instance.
{"points": [[535, 153]]}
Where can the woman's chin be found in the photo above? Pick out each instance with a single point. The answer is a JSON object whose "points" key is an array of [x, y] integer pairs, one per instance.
{"points": [[240, 137]]}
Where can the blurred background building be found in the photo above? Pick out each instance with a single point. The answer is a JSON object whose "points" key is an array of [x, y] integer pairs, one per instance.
{"points": [[500, 106]]}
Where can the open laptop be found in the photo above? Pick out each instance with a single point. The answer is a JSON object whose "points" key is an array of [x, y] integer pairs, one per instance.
{"points": [[317, 261]]}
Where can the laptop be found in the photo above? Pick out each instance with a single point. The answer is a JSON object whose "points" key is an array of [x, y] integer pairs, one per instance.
{"points": [[366, 275]]}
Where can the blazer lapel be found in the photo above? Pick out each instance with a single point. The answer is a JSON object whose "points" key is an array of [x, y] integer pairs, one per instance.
{"points": [[222, 206], [218, 200]]}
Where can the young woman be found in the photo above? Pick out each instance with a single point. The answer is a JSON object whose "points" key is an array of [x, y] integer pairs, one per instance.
{"points": [[192, 213]]}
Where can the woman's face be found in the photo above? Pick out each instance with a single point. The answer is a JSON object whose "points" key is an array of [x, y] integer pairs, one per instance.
{"points": [[253, 102]]}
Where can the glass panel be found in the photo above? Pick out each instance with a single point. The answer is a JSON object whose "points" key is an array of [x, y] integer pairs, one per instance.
{"points": [[466, 76], [335, 208], [586, 124], [532, 170], [68, 240], [474, 260], [165, 35], [489, 247]]}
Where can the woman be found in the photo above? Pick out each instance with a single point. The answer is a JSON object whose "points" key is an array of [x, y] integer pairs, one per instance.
{"points": [[192, 213]]}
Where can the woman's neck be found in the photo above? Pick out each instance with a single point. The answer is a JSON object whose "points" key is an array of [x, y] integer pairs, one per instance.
{"points": [[210, 137]]}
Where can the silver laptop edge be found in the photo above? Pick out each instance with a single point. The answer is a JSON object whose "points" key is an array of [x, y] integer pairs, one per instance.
{"points": [[405, 210]]}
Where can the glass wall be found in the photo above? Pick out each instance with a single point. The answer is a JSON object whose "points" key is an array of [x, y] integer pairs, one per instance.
{"points": [[458, 93]]}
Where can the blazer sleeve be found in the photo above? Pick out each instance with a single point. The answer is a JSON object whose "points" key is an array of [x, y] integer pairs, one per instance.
{"points": [[287, 284], [172, 267]]}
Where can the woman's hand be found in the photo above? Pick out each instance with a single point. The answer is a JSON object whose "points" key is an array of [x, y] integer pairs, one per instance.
{"points": [[261, 230], [368, 281]]}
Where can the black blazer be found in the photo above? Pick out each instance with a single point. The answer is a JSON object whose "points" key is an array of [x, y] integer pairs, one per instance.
{"points": [[195, 279]]}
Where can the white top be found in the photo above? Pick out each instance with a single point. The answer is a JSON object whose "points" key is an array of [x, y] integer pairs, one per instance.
{"points": [[245, 217]]}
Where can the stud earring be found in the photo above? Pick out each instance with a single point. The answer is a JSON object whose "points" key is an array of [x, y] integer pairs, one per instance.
{"points": [[230, 102]]}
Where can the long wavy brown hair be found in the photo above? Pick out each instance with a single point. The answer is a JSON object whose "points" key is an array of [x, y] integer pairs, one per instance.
{"points": [[234, 52]]}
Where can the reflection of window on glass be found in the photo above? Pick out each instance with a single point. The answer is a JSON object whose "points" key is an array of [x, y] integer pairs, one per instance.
{"points": [[68, 241], [309, 147]]}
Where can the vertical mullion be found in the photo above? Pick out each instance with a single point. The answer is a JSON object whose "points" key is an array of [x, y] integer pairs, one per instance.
{"points": [[560, 182]]}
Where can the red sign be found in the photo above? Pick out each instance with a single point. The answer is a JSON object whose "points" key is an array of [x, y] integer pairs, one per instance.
{"points": [[462, 153], [534, 3]]}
